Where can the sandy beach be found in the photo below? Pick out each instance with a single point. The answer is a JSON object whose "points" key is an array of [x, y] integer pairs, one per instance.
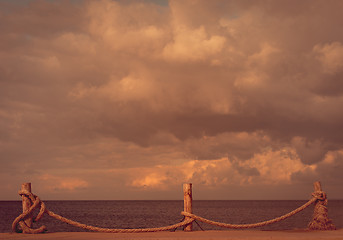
{"points": [[203, 235]]}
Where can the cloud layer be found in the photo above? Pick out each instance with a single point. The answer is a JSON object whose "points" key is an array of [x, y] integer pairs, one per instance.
{"points": [[141, 97]]}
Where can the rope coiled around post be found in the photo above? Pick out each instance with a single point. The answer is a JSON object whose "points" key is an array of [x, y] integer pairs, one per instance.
{"points": [[36, 202], [320, 219]]}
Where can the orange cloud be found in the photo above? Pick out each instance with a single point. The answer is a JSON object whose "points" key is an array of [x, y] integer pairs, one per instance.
{"points": [[56, 183], [193, 45], [153, 180], [268, 168], [331, 56]]}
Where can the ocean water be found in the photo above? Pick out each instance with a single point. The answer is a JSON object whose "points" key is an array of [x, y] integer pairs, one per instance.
{"points": [[146, 214]]}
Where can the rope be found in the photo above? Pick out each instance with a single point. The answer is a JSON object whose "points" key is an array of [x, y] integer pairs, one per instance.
{"points": [[111, 230], [320, 213], [36, 202], [19, 220], [320, 219], [254, 225]]}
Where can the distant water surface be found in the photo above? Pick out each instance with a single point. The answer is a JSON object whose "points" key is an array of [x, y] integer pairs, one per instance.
{"points": [[147, 214]]}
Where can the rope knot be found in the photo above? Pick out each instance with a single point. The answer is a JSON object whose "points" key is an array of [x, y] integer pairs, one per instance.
{"points": [[20, 219], [320, 195], [23, 192]]}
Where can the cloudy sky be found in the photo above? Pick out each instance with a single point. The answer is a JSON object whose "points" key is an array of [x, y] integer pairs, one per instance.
{"points": [[131, 99]]}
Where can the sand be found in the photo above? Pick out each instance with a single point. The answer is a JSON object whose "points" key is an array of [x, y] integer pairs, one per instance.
{"points": [[180, 235]]}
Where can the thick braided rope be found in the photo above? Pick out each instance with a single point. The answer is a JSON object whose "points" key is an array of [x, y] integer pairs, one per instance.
{"points": [[111, 230], [36, 201], [320, 219], [20, 219], [253, 225]]}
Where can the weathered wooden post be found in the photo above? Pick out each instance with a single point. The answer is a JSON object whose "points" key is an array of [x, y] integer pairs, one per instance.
{"points": [[26, 202], [320, 219], [187, 203]]}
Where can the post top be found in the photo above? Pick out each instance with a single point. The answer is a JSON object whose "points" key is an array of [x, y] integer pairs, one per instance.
{"points": [[317, 186]]}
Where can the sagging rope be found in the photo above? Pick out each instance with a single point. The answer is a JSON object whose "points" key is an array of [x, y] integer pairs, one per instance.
{"points": [[252, 225], [320, 218], [36, 202]]}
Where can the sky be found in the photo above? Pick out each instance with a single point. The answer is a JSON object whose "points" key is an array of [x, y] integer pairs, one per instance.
{"points": [[126, 100]]}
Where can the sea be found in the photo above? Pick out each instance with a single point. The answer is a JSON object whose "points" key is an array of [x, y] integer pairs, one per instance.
{"points": [[148, 214]]}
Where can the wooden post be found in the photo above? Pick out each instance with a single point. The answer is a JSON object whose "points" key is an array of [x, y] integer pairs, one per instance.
{"points": [[187, 203], [317, 186], [26, 187], [320, 219]]}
